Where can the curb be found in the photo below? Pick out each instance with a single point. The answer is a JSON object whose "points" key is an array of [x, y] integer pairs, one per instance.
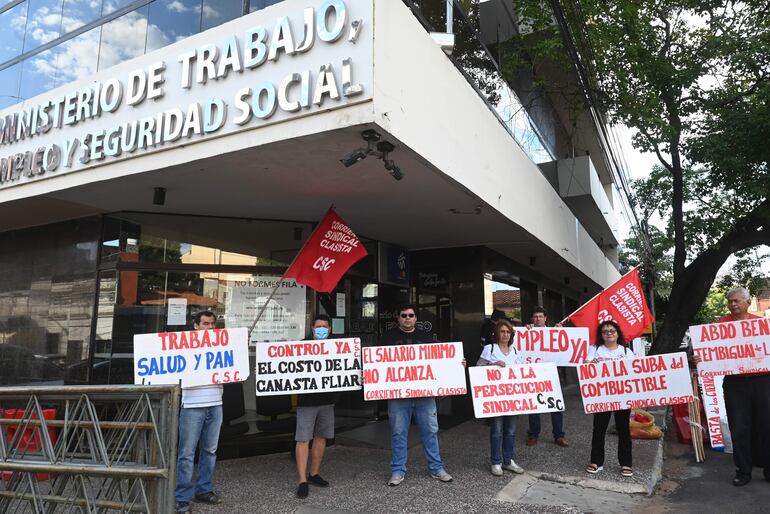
{"points": [[618, 487], [657, 467], [591, 483]]}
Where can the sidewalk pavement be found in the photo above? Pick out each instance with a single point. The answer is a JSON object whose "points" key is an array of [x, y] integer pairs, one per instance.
{"points": [[555, 480], [687, 486]]}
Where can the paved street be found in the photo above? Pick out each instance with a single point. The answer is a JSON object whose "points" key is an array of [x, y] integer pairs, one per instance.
{"points": [[706, 487]]}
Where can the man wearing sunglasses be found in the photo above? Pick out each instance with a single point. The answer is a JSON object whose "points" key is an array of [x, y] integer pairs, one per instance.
{"points": [[400, 411]]}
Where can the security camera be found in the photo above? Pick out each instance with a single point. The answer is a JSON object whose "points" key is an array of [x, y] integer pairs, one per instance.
{"points": [[359, 154], [393, 169]]}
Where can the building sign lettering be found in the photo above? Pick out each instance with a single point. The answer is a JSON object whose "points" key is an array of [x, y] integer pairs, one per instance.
{"points": [[241, 75]]}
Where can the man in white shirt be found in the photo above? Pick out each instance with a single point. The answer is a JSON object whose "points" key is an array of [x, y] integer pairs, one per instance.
{"points": [[539, 319], [199, 423]]}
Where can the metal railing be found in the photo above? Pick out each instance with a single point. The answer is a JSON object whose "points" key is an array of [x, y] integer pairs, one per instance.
{"points": [[89, 449]]}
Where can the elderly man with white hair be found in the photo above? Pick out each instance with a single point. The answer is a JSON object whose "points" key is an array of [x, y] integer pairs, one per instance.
{"points": [[747, 400]]}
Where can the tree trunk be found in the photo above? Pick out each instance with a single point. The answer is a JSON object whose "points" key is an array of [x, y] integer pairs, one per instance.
{"points": [[691, 285], [688, 292]]}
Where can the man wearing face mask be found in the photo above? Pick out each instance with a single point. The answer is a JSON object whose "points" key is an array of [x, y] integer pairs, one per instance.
{"points": [[315, 421]]}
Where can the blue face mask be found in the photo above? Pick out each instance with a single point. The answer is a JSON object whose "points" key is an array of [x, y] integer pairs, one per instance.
{"points": [[321, 332]]}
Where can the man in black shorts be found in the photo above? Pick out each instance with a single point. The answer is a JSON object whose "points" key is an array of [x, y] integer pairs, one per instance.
{"points": [[315, 421]]}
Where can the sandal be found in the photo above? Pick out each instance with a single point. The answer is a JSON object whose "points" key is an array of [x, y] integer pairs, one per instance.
{"points": [[593, 469], [626, 471]]}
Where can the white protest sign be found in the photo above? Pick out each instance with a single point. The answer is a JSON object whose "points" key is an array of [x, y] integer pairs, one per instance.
{"points": [[316, 366], [201, 357], [732, 348], [515, 389], [564, 346], [714, 406], [413, 371], [635, 383]]}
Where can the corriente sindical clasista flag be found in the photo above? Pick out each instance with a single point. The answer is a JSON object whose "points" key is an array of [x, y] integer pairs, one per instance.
{"points": [[327, 254], [623, 302]]}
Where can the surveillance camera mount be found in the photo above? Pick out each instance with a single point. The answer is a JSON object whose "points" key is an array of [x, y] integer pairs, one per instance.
{"points": [[385, 148], [371, 136], [380, 149]]}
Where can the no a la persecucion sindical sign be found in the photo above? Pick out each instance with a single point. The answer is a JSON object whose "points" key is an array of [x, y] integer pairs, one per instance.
{"points": [[515, 389], [284, 61]]}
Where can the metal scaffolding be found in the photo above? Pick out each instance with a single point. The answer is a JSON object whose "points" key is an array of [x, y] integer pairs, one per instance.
{"points": [[89, 449]]}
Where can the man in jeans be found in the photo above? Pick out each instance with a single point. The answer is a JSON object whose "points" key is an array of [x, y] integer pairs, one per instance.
{"points": [[539, 318], [424, 409], [199, 423]]}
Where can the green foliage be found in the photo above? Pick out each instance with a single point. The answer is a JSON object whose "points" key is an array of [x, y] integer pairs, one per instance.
{"points": [[659, 263], [713, 308], [692, 78], [746, 272]]}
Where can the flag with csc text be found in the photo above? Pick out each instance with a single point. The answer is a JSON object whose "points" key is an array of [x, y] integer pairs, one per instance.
{"points": [[328, 253], [622, 302]]}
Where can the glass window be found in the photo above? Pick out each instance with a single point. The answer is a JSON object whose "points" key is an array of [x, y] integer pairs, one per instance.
{"points": [[46, 302], [12, 25], [9, 86], [123, 38], [175, 239], [113, 5], [256, 5], [171, 21], [217, 12], [38, 74], [76, 13], [43, 22], [75, 57]]}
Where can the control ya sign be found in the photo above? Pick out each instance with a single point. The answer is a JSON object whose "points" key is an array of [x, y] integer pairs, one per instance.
{"points": [[248, 73]]}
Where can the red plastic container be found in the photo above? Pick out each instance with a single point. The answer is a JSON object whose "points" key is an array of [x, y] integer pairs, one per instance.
{"points": [[30, 439]]}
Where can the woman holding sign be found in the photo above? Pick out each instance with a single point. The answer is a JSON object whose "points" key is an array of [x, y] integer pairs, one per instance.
{"points": [[610, 345], [502, 429]]}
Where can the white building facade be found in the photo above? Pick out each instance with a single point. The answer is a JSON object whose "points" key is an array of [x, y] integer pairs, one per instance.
{"points": [[188, 174]]}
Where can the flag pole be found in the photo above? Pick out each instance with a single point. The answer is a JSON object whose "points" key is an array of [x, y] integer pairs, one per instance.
{"points": [[264, 307], [278, 284], [597, 294]]}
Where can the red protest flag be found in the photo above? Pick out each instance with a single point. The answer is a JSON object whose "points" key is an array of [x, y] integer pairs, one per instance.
{"points": [[623, 302], [327, 254]]}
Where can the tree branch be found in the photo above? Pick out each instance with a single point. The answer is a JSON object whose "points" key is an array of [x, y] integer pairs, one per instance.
{"points": [[751, 230], [655, 147]]}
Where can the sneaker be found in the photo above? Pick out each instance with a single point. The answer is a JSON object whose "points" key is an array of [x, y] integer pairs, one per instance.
{"points": [[497, 470], [442, 476], [317, 480], [395, 479], [183, 508], [210, 497], [531, 441], [512, 466], [302, 490], [560, 441]]}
